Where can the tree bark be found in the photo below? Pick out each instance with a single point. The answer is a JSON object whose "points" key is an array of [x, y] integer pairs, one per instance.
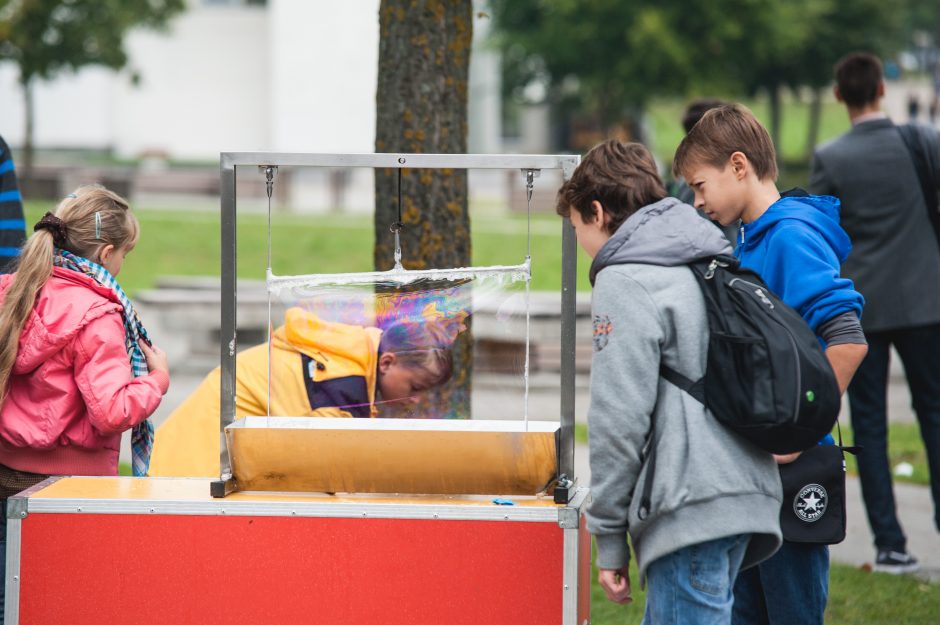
{"points": [[776, 110], [421, 107], [815, 114], [26, 177]]}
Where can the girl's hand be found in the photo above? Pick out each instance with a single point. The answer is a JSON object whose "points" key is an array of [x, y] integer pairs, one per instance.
{"points": [[156, 357]]}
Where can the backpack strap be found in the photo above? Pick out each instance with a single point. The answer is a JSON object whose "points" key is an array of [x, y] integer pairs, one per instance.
{"points": [[922, 167], [695, 389]]}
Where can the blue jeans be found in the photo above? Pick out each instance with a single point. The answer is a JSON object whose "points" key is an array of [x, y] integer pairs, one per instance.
{"points": [[919, 349], [790, 588], [692, 586]]}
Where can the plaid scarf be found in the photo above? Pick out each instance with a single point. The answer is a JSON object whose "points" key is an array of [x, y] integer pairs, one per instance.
{"points": [[142, 434]]}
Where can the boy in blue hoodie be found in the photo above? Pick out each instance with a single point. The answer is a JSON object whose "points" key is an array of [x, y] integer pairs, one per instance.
{"points": [[796, 244]]}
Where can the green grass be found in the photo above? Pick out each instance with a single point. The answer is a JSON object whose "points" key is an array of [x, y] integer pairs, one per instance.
{"points": [[856, 597], [180, 242], [665, 123], [188, 243], [904, 445]]}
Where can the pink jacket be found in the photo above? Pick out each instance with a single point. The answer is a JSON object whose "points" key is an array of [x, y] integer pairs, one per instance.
{"points": [[71, 392]]}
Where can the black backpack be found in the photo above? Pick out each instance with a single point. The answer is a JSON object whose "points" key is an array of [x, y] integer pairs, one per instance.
{"points": [[767, 377]]}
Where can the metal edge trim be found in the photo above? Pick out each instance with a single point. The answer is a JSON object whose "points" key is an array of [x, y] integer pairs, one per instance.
{"points": [[580, 499], [11, 608], [399, 160], [569, 597], [228, 289], [224, 507], [18, 504]]}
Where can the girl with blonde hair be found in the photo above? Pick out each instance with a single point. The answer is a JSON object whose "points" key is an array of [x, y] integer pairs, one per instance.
{"points": [[77, 367]]}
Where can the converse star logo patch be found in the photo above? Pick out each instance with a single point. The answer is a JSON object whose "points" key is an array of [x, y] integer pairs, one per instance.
{"points": [[811, 502]]}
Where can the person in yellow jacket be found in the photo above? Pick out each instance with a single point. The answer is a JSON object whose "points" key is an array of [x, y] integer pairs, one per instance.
{"points": [[320, 369]]}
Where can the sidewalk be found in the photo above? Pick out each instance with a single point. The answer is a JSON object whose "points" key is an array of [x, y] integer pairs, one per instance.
{"points": [[915, 511]]}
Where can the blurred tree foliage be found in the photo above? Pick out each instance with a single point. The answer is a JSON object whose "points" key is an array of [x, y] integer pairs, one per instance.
{"points": [[47, 37], [607, 58]]}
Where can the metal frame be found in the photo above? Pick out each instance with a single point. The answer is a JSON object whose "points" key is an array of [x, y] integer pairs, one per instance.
{"points": [[229, 162], [567, 517]]}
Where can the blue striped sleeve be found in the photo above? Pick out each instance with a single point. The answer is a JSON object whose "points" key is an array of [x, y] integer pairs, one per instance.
{"points": [[13, 195], [9, 251], [6, 166], [12, 224]]}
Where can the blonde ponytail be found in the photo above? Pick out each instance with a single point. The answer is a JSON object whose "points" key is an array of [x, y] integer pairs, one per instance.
{"points": [[93, 217]]}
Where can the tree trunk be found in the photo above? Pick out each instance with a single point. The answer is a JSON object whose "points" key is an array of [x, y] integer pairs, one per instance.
{"points": [[775, 116], [421, 107], [815, 114], [26, 177]]}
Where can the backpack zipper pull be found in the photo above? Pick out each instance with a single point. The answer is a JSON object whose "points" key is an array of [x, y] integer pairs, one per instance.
{"points": [[742, 234], [712, 266]]}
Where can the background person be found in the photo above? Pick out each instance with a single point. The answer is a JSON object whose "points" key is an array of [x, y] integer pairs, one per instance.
{"points": [[12, 222], [895, 264]]}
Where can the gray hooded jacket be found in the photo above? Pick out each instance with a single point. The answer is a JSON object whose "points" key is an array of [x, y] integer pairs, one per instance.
{"points": [[709, 483]]}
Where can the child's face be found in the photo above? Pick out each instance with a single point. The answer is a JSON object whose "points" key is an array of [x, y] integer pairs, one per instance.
{"points": [[399, 382], [718, 192], [112, 258], [591, 235]]}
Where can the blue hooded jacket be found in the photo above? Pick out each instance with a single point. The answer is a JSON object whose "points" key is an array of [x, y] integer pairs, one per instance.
{"points": [[797, 247]]}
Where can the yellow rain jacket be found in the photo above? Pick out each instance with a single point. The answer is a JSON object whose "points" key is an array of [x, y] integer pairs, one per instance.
{"points": [[321, 369]]}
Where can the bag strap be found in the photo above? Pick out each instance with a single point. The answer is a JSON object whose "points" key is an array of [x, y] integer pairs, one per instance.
{"points": [[928, 186], [852, 449], [695, 389]]}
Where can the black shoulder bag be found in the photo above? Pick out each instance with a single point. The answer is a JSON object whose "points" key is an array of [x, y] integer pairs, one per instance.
{"points": [[813, 509]]}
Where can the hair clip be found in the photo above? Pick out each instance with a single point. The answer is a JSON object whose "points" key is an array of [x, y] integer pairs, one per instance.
{"points": [[72, 195], [97, 226]]}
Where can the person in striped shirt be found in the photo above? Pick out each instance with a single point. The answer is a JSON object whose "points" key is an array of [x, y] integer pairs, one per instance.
{"points": [[12, 223]]}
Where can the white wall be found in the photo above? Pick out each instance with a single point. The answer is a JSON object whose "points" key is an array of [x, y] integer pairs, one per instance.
{"points": [[324, 68], [70, 112], [204, 86], [296, 75]]}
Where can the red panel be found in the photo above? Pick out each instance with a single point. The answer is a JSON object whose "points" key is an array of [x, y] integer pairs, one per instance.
{"points": [[166, 570]]}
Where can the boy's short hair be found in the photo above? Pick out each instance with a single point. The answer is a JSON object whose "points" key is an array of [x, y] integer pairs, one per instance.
{"points": [[858, 76], [721, 132], [621, 176], [421, 345], [696, 108]]}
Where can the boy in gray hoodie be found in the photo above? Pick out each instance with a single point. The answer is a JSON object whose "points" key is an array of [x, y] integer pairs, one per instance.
{"points": [[715, 498]]}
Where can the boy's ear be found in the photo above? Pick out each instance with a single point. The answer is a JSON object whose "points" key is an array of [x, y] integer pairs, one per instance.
{"points": [[600, 215], [838, 94], [386, 360], [739, 165], [881, 89]]}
